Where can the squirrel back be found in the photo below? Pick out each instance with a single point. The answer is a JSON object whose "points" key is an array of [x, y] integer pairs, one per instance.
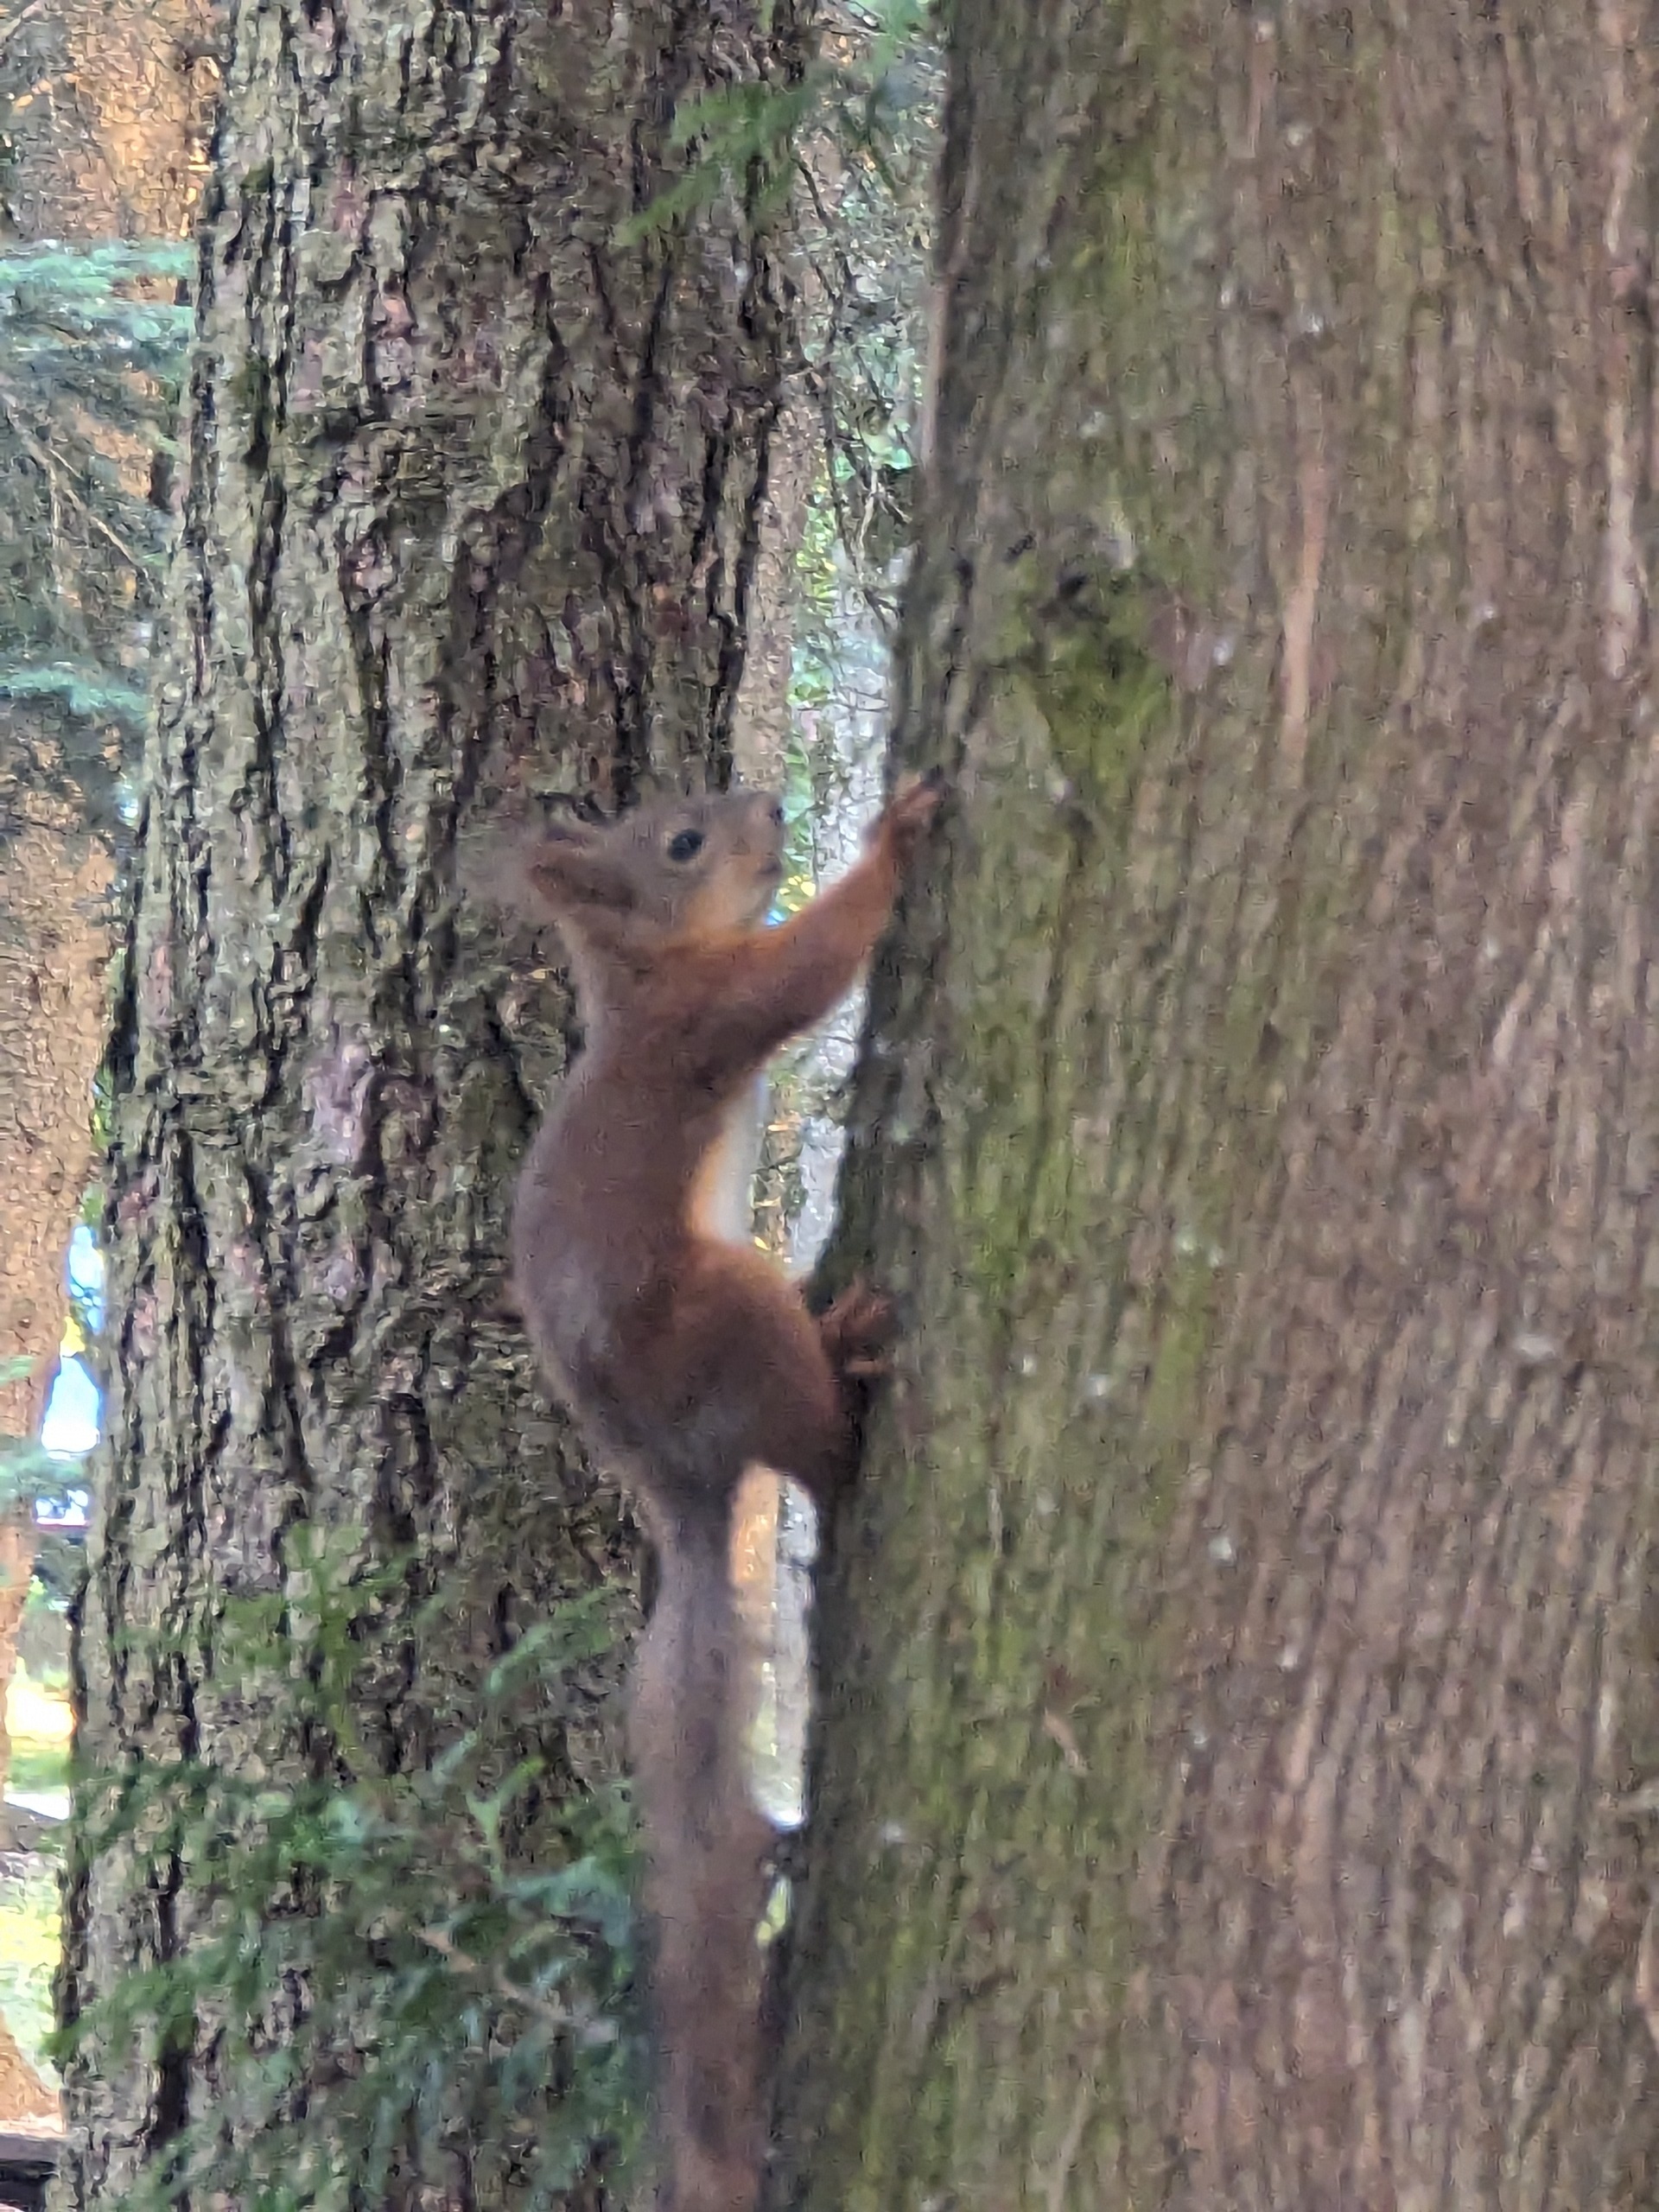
{"points": [[686, 1357], [631, 1155]]}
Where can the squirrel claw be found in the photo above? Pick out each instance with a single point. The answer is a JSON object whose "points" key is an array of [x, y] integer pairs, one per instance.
{"points": [[910, 813], [856, 1330]]}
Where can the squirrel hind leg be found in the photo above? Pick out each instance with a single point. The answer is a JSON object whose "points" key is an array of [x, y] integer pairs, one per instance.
{"points": [[857, 1330], [764, 1380]]}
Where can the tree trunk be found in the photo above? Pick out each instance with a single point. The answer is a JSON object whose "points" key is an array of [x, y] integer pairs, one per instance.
{"points": [[109, 138], [473, 506], [1235, 1784]]}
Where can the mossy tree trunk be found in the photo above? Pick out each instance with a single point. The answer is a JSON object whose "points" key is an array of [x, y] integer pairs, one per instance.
{"points": [[1236, 1782], [473, 506]]}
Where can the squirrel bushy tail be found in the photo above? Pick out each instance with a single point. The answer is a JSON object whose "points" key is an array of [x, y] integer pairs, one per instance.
{"points": [[705, 1876]]}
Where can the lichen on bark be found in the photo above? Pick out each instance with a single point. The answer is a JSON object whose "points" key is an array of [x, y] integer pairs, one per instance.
{"points": [[1238, 1662]]}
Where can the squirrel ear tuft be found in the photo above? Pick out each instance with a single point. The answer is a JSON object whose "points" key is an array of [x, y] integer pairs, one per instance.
{"points": [[559, 866], [568, 868]]}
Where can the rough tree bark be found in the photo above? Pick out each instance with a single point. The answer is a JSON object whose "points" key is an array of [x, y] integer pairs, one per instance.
{"points": [[1238, 1777], [472, 504]]}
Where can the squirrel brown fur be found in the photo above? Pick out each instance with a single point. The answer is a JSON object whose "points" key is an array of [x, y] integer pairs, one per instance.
{"points": [[686, 1357]]}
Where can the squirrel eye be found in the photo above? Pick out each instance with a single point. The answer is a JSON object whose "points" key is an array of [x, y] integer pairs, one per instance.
{"points": [[776, 814], [685, 845]]}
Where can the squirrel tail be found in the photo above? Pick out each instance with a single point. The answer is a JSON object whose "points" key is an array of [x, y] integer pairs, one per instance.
{"points": [[706, 1846]]}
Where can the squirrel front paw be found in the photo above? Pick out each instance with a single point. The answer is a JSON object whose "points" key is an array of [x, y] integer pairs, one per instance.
{"points": [[909, 815]]}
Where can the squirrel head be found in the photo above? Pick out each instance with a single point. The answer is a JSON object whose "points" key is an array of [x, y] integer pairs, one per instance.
{"points": [[674, 867]]}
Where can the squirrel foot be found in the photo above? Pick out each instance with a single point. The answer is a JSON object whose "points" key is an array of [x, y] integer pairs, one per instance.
{"points": [[856, 1330]]}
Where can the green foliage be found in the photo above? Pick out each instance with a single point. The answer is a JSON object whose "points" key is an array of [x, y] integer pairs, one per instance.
{"points": [[85, 690], [93, 343], [867, 227], [29, 1471], [84, 274], [745, 133], [372, 1969], [36, 1767], [799, 874], [749, 136], [29, 1939]]}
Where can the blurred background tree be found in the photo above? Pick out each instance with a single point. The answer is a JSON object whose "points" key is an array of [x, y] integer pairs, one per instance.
{"points": [[103, 117]]}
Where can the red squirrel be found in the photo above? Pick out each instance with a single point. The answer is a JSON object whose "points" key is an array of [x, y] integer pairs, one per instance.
{"points": [[686, 1357]]}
